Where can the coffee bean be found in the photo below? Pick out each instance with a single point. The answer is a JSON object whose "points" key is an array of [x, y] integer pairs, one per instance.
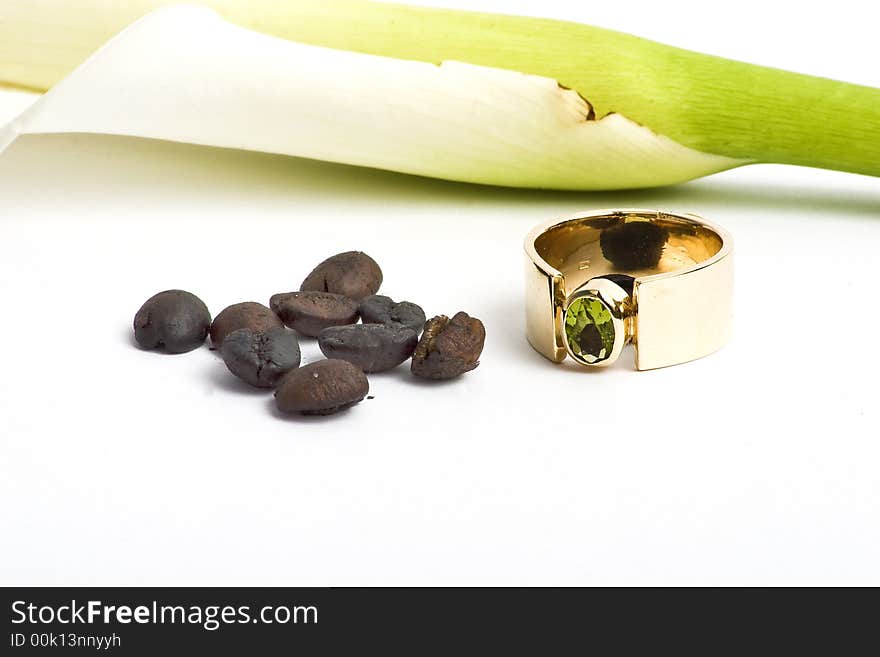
{"points": [[312, 312], [261, 359], [352, 274], [449, 347], [321, 388], [174, 319], [372, 347], [379, 309], [248, 314]]}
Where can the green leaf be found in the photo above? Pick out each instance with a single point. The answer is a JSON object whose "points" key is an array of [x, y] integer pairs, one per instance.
{"points": [[710, 105]]}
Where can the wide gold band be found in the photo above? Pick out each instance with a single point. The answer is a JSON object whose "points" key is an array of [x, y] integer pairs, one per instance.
{"points": [[680, 305]]}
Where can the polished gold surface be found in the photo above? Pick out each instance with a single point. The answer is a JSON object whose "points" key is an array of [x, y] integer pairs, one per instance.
{"points": [[680, 307]]}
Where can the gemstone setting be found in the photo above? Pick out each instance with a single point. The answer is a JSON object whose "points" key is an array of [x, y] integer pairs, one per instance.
{"points": [[598, 320], [590, 330]]}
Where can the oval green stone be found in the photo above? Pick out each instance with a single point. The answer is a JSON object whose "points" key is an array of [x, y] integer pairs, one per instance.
{"points": [[589, 329]]}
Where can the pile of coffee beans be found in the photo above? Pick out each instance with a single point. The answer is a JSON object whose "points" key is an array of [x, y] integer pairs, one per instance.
{"points": [[259, 343]]}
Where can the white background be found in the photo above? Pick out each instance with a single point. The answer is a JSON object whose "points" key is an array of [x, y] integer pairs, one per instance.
{"points": [[757, 465]]}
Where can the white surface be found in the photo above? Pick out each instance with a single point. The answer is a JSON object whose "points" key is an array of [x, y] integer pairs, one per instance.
{"points": [[758, 465]]}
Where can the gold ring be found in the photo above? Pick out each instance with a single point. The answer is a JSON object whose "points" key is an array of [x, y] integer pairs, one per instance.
{"points": [[599, 280]]}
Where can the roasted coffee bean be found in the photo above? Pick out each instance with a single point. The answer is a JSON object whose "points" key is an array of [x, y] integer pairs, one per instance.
{"points": [[352, 274], [261, 359], [321, 388], [174, 319], [379, 309], [372, 347], [248, 314], [449, 347], [312, 312]]}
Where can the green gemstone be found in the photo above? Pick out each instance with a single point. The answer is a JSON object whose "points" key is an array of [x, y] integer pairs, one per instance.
{"points": [[589, 329]]}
